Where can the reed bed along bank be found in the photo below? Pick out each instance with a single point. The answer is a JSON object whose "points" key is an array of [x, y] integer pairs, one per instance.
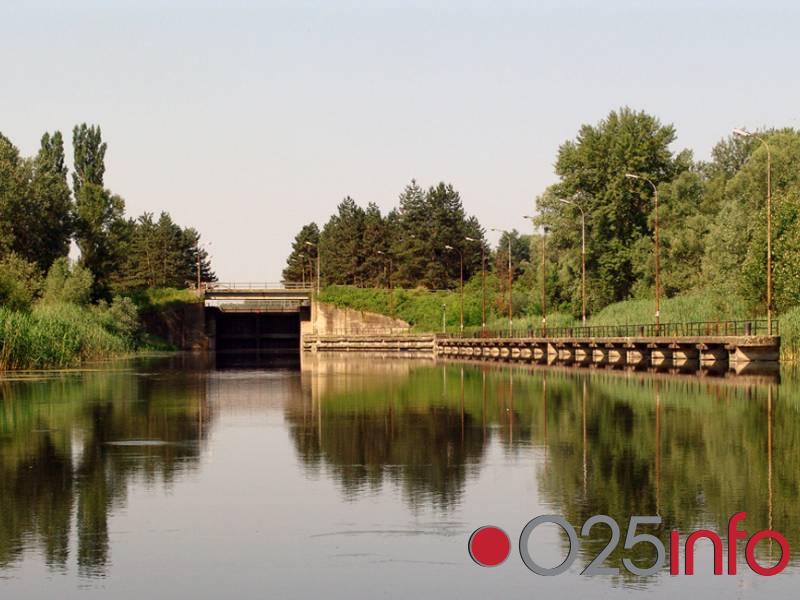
{"points": [[58, 336]]}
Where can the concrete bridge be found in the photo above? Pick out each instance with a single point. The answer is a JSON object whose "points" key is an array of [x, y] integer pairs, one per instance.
{"points": [[255, 316]]}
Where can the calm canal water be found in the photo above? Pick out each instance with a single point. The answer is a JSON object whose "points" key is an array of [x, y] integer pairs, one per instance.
{"points": [[353, 478]]}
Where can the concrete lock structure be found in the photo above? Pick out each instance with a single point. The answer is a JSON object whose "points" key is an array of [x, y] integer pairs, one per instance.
{"points": [[284, 317]]}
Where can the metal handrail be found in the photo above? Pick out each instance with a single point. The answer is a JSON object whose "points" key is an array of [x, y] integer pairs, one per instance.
{"points": [[753, 327], [261, 285]]}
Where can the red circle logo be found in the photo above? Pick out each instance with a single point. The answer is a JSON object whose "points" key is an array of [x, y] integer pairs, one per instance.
{"points": [[489, 546]]}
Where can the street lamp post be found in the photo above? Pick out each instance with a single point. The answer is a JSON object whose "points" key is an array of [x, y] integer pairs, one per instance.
{"points": [[483, 284], [510, 283], [303, 268], [583, 256], [658, 258], [389, 279], [461, 284], [316, 246], [544, 295], [745, 133], [444, 318]]}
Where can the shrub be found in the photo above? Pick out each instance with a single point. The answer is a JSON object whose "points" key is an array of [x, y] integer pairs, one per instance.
{"points": [[20, 282], [67, 282]]}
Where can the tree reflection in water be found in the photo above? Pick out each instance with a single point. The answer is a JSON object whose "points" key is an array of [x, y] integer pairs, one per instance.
{"points": [[57, 461], [692, 450]]}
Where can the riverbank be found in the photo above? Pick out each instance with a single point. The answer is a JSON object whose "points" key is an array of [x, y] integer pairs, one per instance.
{"points": [[66, 335], [423, 310]]}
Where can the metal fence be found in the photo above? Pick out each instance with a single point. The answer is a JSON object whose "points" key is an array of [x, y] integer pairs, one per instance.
{"points": [[690, 329]]}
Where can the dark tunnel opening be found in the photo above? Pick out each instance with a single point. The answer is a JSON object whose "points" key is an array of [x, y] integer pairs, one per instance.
{"points": [[253, 339]]}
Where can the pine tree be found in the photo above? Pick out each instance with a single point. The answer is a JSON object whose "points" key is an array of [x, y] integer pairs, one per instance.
{"points": [[375, 248], [341, 253], [301, 263]]}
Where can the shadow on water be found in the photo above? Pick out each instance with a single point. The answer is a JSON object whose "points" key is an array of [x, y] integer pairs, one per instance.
{"points": [[255, 359]]}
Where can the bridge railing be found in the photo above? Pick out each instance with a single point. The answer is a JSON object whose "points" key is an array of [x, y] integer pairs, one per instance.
{"points": [[257, 285], [689, 329]]}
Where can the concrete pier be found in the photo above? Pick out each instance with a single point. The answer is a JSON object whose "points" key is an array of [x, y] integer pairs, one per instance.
{"points": [[636, 352]]}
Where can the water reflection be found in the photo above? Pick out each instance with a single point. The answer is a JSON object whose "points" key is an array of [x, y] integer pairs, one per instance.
{"points": [[692, 450], [60, 458], [76, 448]]}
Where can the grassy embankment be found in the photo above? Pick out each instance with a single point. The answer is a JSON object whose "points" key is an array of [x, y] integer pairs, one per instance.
{"points": [[423, 309], [65, 335]]}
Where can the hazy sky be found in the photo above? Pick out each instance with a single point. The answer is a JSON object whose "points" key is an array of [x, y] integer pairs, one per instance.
{"points": [[247, 120]]}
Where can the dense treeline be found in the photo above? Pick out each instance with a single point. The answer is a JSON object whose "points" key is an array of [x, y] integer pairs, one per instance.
{"points": [[40, 215], [420, 243], [712, 219], [58, 312]]}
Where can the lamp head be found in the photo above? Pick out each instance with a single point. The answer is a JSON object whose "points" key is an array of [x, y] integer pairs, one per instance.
{"points": [[741, 132], [632, 176], [448, 247]]}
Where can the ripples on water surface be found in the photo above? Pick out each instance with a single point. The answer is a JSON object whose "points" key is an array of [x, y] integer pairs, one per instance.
{"points": [[354, 478]]}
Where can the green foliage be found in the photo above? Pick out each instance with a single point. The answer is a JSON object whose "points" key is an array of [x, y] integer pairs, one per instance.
{"points": [[58, 335], [301, 264], [340, 243], [50, 223], [89, 156], [790, 334], [407, 247], [67, 282], [155, 298], [100, 232], [161, 254], [35, 204], [20, 282], [735, 191], [420, 307], [592, 169], [121, 318]]}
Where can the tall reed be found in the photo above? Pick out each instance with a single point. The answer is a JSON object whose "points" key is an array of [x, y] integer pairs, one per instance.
{"points": [[55, 336]]}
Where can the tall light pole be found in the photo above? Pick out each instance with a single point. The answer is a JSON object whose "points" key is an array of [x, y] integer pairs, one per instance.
{"points": [[389, 279], [483, 283], [745, 133], [303, 268], [316, 247], [583, 256], [658, 253], [444, 318], [461, 283], [510, 283], [544, 295]]}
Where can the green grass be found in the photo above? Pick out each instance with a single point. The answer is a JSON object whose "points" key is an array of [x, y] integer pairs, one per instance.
{"points": [[155, 298], [423, 310], [790, 334], [680, 309]]}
